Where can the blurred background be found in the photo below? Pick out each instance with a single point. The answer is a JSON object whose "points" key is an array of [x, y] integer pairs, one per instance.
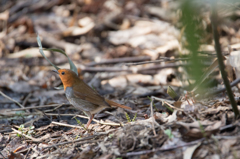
{"points": [[129, 51], [105, 39]]}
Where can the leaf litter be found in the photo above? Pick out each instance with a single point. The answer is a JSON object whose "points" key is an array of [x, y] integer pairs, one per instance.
{"points": [[93, 37]]}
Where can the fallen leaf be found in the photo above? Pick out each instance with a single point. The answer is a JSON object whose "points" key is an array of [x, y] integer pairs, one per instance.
{"points": [[187, 154]]}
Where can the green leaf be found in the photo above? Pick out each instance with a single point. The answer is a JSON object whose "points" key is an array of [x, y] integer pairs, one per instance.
{"points": [[42, 53], [168, 132], [206, 74], [81, 124], [172, 93], [135, 116], [72, 66], [110, 135], [128, 117]]}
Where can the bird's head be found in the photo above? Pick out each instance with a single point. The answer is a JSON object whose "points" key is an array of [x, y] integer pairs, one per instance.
{"points": [[68, 77]]}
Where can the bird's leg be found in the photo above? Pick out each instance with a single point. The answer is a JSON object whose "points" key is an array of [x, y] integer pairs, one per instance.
{"points": [[89, 120]]}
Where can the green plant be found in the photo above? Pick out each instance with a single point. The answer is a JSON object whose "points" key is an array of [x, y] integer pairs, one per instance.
{"points": [[72, 66], [29, 131], [168, 132], [80, 123], [202, 129], [110, 135], [21, 127], [155, 108], [129, 119], [135, 116]]}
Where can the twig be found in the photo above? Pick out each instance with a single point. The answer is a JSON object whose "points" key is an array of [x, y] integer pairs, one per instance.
{"points": [[234, 83], [214, 21], [164, 101], [36, 150], [54, 108], [85, 117], [81, 116], [117, 69], [120, 124], [69, 142], [156, 61], [120, 60], [180, 110], [31, 138], [2, 154], [27, 152], [67, 125], [159, 99], [11, 99], [173, 106], [153, 119], [162, 149], [26, 99], [227, 137], [37, 107], [39, 113]]}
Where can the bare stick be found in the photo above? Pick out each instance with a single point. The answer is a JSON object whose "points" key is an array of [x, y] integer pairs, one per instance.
{"points": [[11, 99], [26, 99], [29, 149], [120, 60], [67, 125], [100, 122], [234, 83], [31, 138], [156, 61], [37, 107], [173, 106], [117, 69], [153, 119], [165, 102], [69, 142], [159, 99]]}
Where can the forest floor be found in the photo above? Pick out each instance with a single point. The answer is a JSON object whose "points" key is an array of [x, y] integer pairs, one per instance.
{"points": [[106, 40]]}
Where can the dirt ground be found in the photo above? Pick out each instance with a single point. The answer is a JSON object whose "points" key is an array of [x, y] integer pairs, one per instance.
{"points": [[112, 43]]}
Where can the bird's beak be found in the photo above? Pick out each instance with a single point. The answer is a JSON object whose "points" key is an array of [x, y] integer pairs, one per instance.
{"points": [[55, 71]]}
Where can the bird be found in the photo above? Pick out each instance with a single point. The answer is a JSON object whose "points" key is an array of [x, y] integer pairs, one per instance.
{"points": [[82, 96]]}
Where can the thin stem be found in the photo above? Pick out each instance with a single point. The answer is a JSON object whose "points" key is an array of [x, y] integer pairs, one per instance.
{"points": [[214, 21]]}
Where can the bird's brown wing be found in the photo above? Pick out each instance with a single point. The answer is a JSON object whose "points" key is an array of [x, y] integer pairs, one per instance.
{"points": [[83, 91], [112, 103]]}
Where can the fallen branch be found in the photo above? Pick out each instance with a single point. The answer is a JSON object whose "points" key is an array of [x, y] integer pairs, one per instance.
{"points": [[32, 138], [69, 142], [120, 60], [234, 83], [66, 125], [157, 61], [4, 95], [134, 70], [37, 107]]}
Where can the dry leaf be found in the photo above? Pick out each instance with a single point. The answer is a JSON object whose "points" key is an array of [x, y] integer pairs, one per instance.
{"points": [[187, 154]]}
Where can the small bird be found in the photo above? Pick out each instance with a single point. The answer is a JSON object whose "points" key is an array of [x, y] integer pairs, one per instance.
{"points": [[82, 96]]}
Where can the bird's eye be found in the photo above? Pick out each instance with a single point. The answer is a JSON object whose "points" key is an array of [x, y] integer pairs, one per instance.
{"points": [[63, 73]]}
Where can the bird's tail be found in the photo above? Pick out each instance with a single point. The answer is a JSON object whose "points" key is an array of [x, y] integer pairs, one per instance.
{"points": [[117, 105]]}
